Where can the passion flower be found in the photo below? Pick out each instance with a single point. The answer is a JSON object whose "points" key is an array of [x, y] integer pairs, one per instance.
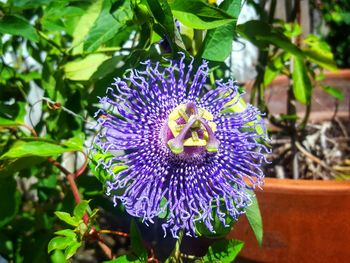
{"points": [[189, 150]]}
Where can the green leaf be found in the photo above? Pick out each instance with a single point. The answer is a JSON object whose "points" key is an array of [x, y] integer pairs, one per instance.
{"points": [[120, 259], [254, 218], [289, 117], [319, 52], [275, 67], [333, 91], [124, 259], [21, 5], [66, 233], [84, 25], [224, 251], [292, 29], [162, 13], [107, 25], [16, 25], [136, 242], [232, 7], [220, 230], [58, 14], [66, 217], [97, 170], [10, 199], [218, 41], [83, 69], [262, 34], [82, 228], [59, 243], [11, 166], [199, 14], [12, 115], [238, 106], [302, 87], [34, 148], [29, 76], [72, 249], [165, 213], [80, 209], [75, 143], [106, 67], [58, 257]]}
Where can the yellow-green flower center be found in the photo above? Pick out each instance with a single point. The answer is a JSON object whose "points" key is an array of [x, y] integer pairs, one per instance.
{"points": [[192, 126]]}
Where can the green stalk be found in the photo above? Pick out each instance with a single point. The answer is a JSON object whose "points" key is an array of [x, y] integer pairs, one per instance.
{"points": [[293, 13], [259, 86], [175, 256]]}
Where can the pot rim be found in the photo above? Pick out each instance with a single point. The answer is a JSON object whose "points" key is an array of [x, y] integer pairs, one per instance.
{"points": [[303, 186]]}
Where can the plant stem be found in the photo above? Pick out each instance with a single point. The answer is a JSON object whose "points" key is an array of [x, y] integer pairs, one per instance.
{"points": [[303, 124], [71, 179], [117, 233], [291, 108], [198, 40], [178, 245], [106, 249], [259, 85], [175, 256]]}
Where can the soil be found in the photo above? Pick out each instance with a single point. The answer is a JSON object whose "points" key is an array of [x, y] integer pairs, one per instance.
{"points": [[322, 153]]}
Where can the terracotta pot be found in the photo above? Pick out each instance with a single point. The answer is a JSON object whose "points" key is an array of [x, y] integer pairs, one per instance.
{"points": [[304, 221]]}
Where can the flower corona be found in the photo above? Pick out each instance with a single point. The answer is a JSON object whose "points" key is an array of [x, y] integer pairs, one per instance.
{"points": [[190, 151]]}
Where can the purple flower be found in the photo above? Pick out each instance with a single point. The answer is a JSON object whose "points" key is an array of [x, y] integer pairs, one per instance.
{"points": [[190, 152]]}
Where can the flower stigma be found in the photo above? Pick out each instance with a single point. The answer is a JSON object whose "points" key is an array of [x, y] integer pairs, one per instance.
{"points": [[191, 127]]}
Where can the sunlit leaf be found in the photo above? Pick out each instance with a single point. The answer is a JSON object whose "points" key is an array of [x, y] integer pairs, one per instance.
{"points": [[58, 243], [302, 87], [262, 34], [84, 25], [199, 14], [66, 217], [319, 52], [75, 143], [58, 257], [72, 249], [97, 169], [218, 41], [34, 148], [107, 25], [83, 69], [275, 67], [334, 92], [80, 209], [224, 251]]}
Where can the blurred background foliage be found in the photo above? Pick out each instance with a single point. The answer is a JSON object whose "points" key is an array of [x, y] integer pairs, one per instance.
{"points": [[57, 57], [336, 16]]}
